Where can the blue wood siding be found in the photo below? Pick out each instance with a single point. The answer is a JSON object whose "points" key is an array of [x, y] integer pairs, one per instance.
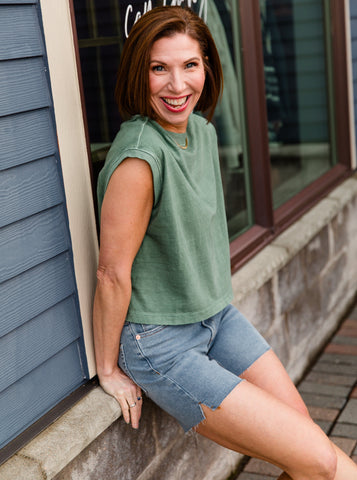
{"points": [[41, 344], [353, 11], [23, 35]]}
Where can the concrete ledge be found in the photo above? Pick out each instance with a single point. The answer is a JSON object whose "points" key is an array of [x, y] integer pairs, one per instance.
{"points": [[47, 454]]}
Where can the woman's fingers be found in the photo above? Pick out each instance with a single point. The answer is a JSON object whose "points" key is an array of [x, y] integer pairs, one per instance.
{"points": [[130, 406], [135, 413], [127, 394], [124, 407], [135, 408]]}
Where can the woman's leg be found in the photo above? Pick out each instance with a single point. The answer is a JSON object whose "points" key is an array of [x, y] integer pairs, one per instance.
{"points": [[266, 418], [269, 374], [253, 422]]}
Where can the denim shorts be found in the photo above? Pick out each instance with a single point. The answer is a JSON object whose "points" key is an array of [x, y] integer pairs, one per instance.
{"points": [[183, 366]]}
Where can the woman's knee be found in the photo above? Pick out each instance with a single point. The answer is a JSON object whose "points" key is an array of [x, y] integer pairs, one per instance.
{"points": [[330, 463], [322, 466]]}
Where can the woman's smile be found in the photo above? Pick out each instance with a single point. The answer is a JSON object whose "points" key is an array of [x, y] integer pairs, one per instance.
{"points": [[176, 80], [176, 104]]}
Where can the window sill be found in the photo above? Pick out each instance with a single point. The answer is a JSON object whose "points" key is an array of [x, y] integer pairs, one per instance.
{"points": [[47, 454]]}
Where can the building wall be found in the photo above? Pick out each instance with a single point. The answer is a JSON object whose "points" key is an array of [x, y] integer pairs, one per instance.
{"points": [[40, 329]]}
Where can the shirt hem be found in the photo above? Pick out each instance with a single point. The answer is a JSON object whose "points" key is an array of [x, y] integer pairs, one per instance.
{"points": [[181, 318]]}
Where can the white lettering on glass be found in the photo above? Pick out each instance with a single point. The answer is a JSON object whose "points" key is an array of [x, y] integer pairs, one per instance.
{"points": [[131, 18]]}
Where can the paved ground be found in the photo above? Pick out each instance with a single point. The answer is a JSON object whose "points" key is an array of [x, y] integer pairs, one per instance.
{"points": [[330, 391]]}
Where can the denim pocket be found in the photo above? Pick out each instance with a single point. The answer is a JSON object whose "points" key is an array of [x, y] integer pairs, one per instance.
{"points": [[145, 330]]}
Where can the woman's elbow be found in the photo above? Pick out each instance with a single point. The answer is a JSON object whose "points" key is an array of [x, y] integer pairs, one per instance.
{"points": [[114, 276]]}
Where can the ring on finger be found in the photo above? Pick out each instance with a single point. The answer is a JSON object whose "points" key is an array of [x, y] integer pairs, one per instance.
{"points": [[132, 405]]}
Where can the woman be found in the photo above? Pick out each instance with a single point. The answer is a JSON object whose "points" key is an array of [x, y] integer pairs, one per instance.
{"points": [[162, 301]]}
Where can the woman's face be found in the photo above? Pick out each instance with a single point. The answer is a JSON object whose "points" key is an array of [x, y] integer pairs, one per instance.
{"points": [[176, 80]]}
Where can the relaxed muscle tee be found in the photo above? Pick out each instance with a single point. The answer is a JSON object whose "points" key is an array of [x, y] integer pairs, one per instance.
{"points": [[181, 273]]}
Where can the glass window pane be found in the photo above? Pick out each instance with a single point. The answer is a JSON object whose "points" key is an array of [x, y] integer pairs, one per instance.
{"points": [[100, 40], [297, 94], [222, 19], [102, 26]]}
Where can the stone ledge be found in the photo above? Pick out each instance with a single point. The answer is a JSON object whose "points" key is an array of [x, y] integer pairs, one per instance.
{"points": [[48, 453]]}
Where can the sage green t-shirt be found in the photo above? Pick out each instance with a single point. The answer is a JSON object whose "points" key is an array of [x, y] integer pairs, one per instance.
{"points": [[181, 273]]}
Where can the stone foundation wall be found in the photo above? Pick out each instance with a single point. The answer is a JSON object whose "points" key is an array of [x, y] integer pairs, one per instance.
{"points": [[295, 291], [159, 450]]}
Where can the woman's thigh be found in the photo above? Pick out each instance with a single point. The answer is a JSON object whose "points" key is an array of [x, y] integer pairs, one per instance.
{"points": [[269, 374]]}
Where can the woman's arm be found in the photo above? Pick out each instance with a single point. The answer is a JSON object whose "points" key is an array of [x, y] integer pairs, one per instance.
{"points": [[125, 215]]}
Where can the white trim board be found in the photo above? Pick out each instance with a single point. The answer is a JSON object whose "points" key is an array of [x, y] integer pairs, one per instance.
{"points": [[58, 32]]}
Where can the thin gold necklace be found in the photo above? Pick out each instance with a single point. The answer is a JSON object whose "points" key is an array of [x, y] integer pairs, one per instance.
{"points": [[183, 147]]}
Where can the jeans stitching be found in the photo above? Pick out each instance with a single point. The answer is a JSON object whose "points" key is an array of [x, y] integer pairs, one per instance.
{"points": [[162, 375]]}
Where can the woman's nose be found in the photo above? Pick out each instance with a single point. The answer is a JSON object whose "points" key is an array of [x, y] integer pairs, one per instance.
{"points": [[177, 81]]}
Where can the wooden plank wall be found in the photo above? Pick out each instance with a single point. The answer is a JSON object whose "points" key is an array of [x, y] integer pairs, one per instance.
{"points": [[41, 349]]}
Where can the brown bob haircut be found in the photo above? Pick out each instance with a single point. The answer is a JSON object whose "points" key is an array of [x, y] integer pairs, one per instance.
{"points": [[132, 91]]}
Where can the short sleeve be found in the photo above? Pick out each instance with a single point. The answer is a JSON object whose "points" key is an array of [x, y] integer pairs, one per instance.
{"points": [[114, 159]]}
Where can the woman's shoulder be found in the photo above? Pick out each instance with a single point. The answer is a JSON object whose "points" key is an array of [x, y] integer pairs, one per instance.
{"points": [[135, 133], [202, 127], [136, 139]]}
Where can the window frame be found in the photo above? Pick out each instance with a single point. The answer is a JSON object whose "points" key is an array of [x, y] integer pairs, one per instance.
{"points": [[269, 222]]}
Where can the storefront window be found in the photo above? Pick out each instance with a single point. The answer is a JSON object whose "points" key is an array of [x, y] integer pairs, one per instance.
{"points": [[283, 138], [297, 100], [102, 27]]}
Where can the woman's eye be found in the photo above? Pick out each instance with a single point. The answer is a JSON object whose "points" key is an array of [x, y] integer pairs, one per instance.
{"points": [[191, 65], [158, 68]]}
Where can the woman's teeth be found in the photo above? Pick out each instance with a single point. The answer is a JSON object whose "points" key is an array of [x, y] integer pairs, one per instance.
{"points": [[175, 102]]}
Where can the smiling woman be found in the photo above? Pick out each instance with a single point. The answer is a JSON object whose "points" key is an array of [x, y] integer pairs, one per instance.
{"points": [[163, 323]]}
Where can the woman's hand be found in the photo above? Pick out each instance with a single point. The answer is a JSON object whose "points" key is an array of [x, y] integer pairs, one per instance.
{"points": [[127, 394]]}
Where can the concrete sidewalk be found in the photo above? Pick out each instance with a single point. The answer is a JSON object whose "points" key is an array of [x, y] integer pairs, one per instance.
{"points": [[330, 391]]}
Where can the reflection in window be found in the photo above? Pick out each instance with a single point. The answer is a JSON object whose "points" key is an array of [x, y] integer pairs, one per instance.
{"points": [[101, 26], [100, 40], [294, 49], [227, 119]]}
